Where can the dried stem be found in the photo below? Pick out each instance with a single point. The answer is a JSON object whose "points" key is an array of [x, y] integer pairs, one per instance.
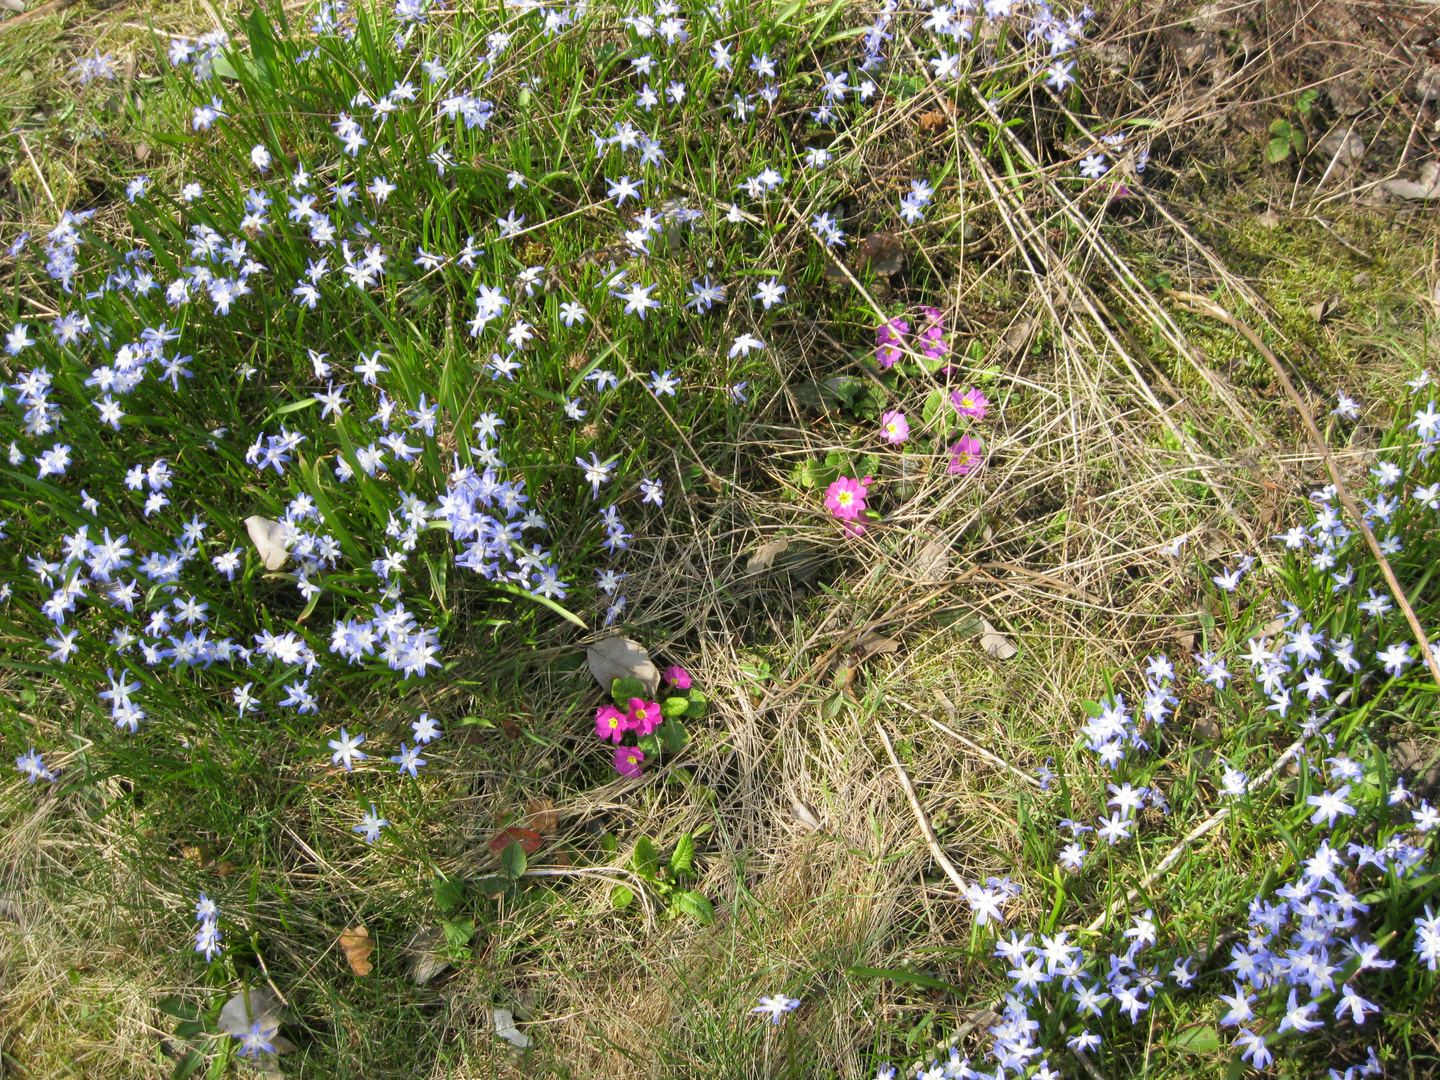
{"points": [[930, 838]]}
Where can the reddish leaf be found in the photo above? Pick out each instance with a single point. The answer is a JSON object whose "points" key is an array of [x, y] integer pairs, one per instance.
{"points": [[528, 839]]}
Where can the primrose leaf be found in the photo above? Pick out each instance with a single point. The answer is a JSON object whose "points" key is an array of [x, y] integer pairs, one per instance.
{"points": [[513, 861]]}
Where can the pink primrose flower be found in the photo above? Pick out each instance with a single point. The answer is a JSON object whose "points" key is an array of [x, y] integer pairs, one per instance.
{"points": [[845, 498], [677, 677], [610, 723], [894, 428], [644, 715], [964, 456], [893, 332], [627, 760], [970, 403]]}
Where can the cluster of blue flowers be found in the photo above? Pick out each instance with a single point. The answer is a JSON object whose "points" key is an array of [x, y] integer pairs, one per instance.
{"points": [[348, 248], [1305, 938], [208, 936]]}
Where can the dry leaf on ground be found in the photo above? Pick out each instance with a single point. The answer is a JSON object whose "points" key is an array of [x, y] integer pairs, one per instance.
{"points": [[263, 1005], [425, 954], [1427, 187], [528, 839], [932, 123], [620, 658], [541, 815], [506, 1029], [1207, 728], [933, 560], [995, 643], [764, 556], [804, 815], [873, 644], [357, 945], [271, 540], [882, 252]]}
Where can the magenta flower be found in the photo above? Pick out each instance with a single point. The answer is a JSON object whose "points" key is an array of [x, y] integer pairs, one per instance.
{"points": [[970, 403], [934, 318], [965, 456], [627, 761], [845, 498], [933, 335], [887, 337], [893, 331], [677, 677], [894, 427], [644, 716], [611, 723]]}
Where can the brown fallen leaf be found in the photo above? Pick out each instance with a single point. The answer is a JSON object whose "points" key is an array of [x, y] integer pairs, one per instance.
{"points": [[932, 123], [933, 561], [764, 556], [1428, 186], [1207, 728], [882, 252], [803, 814], [1017, 337], [272, 539], [873, 644], [541, 816], [510, 726], [528, 839], [357, 945]]}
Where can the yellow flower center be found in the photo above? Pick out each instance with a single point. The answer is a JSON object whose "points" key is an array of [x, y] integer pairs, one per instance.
{"points": [[843, 498]]}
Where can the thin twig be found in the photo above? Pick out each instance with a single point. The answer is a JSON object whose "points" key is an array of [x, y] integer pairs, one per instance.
{"points": [[1089, 1067], [1053, 582], [930, 838], [1335, 233], [25, 145], [986, 754], [1205, 306], [51, 8]]}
